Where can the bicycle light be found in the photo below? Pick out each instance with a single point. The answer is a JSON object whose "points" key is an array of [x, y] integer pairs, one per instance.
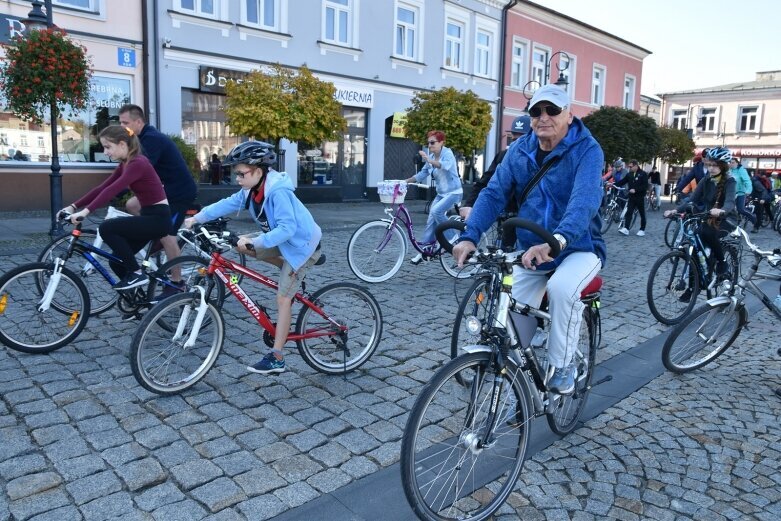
{"points": [[473, 324]]}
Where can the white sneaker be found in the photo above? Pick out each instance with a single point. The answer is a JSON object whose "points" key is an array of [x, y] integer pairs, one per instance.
{"points": [[623, 231], [641, 233], [417, 259]]}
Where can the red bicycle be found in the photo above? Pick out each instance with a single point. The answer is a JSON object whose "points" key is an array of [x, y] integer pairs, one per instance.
{"points": [[176, 344]]}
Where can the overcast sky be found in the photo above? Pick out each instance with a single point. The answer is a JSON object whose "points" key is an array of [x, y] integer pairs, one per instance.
{"points": [[694, 43]]}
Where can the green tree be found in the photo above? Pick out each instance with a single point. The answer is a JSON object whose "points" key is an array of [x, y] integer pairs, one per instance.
{"points": [[190, 156], [462, 116], [624, 133], [283, 104], [675, 146]]}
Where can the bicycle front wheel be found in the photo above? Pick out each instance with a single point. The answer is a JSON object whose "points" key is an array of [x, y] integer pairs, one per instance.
{"points": [[452, 467], [673, 286], [324, 347], [158, 357], [24, 326], [449, 263], [671, 232], [376, 251], [476, 303], [703, 336], [102, 296], [606, 216], [564, 410]]}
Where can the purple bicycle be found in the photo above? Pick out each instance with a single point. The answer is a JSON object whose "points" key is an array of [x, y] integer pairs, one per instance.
{"points": [[377, 249]]}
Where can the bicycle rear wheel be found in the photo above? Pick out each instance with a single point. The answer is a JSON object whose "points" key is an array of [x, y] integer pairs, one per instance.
{"points": [[158, 358], [26, 328], [331, 352], [446, 470], [564, 411], [376, 253], [102, 296], [673, 286], [702, 336]]}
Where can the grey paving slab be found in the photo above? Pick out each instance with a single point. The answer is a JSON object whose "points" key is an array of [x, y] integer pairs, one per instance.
{"points": [[307, 446]]}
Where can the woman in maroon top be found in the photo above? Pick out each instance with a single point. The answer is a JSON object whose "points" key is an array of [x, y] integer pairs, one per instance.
{"points": [[127, 235]]}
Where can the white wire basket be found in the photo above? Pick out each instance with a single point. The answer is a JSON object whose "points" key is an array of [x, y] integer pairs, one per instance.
{"points": [[392, 191]]}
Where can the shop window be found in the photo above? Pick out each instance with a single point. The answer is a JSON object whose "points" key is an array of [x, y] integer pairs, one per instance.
{"points": [[77, 133], [204, 126]]}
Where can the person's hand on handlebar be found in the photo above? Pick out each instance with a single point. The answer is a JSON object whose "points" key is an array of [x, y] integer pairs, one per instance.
{"points": [[462, 250], [464, 212], [78, 216], [536, 255], [241, 245], [189, 223]]}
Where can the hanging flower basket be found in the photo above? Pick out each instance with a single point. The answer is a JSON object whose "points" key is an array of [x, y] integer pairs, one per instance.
{"points": [[42, 67]]}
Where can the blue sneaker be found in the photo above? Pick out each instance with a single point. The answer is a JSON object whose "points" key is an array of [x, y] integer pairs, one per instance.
{"points": [[269, 364], [563, 380]]}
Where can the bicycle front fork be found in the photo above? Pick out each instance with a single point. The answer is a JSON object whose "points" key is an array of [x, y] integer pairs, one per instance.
{"points": [[183, 320], [51, 287]]}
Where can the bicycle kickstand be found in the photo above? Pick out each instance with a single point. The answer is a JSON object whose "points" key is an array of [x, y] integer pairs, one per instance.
{"points": [[604, 380]]}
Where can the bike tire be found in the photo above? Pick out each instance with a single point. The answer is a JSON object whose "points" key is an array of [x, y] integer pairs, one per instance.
{"points": [[370, 257], [346, 304], [667, 282], [606, 216], [159, 361], [23, 327], [565, 410], [449, 263], [728, 280], [671, 231], [686, 341], [101, 293], [443, 472], [476, 302]]}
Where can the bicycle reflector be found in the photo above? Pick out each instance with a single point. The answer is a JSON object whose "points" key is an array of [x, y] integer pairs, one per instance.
{"points": [[74, 317], [3, 303]]}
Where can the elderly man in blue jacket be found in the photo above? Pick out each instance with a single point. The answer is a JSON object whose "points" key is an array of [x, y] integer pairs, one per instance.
{"points": [[565, 202]]}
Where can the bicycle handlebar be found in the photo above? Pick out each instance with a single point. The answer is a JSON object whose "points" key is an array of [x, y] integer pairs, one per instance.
{"points": [[509, 224]]}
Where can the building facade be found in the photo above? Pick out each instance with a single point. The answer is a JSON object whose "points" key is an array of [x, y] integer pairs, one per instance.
{"points": [[744, 117], [377, 55], [544, 46], [112, 33]]}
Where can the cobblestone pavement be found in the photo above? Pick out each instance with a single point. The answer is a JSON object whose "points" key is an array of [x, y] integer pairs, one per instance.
{"points": [[79, 439]]}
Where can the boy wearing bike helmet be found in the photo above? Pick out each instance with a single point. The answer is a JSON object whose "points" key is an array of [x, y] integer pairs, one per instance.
{"points": [[716, 195], [289, 237]]}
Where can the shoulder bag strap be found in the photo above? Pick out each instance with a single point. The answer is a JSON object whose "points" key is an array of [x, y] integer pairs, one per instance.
{"points": [[536, 179]]}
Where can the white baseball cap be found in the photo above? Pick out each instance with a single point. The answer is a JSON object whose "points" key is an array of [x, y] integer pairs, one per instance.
{"points": [[552, 93]]}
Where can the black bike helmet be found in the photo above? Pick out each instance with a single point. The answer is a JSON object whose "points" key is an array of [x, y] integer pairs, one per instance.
{"points": [[251, 153]]}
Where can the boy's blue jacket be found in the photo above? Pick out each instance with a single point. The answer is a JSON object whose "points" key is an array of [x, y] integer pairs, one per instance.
{"points": [[292, 227], [565, 201]]}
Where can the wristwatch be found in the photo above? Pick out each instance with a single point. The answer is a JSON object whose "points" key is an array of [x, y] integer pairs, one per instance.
{"points": [[562, 241]]}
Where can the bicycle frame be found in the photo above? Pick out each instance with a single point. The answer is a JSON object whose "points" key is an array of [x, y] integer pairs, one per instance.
{"points": [[402, 214], [224, 269], [747, 284]]}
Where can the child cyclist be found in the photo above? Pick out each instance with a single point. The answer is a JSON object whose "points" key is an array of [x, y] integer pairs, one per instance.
{"points": [[127, 235], [289, 238]]}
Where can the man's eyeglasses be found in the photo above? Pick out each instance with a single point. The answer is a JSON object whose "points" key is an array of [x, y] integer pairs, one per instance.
{"points": [[432, 143], [240, 174], [551, 110]]}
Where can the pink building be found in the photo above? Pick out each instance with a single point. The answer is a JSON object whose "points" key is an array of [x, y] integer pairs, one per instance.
{"points": [[544, 46]]}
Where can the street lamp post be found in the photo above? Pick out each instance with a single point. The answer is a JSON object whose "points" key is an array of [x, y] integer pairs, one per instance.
{"points": [[561, 81], [36, 21]]}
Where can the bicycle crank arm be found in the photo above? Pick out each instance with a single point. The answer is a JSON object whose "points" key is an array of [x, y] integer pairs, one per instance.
{"points": [[600, 382]]}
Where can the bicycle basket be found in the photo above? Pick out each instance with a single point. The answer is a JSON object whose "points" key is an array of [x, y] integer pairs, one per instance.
{"points": [[392, 192]]}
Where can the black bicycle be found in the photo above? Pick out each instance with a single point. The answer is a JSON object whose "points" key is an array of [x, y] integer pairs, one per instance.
{"points": [[678, 276], [466, 437], [45, 305]]}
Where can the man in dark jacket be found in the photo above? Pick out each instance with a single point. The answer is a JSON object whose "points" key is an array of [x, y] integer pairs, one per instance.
{"points": [[761, 197], [521, 126], [637, 182], [697, 172]]}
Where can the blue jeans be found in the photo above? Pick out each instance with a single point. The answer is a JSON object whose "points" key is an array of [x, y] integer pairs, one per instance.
{"points": [[740, 204], [438, 214]]}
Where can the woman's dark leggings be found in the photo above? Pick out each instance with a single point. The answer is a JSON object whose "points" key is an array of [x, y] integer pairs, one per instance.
{"points": [[710, 238], [127, 235]]}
